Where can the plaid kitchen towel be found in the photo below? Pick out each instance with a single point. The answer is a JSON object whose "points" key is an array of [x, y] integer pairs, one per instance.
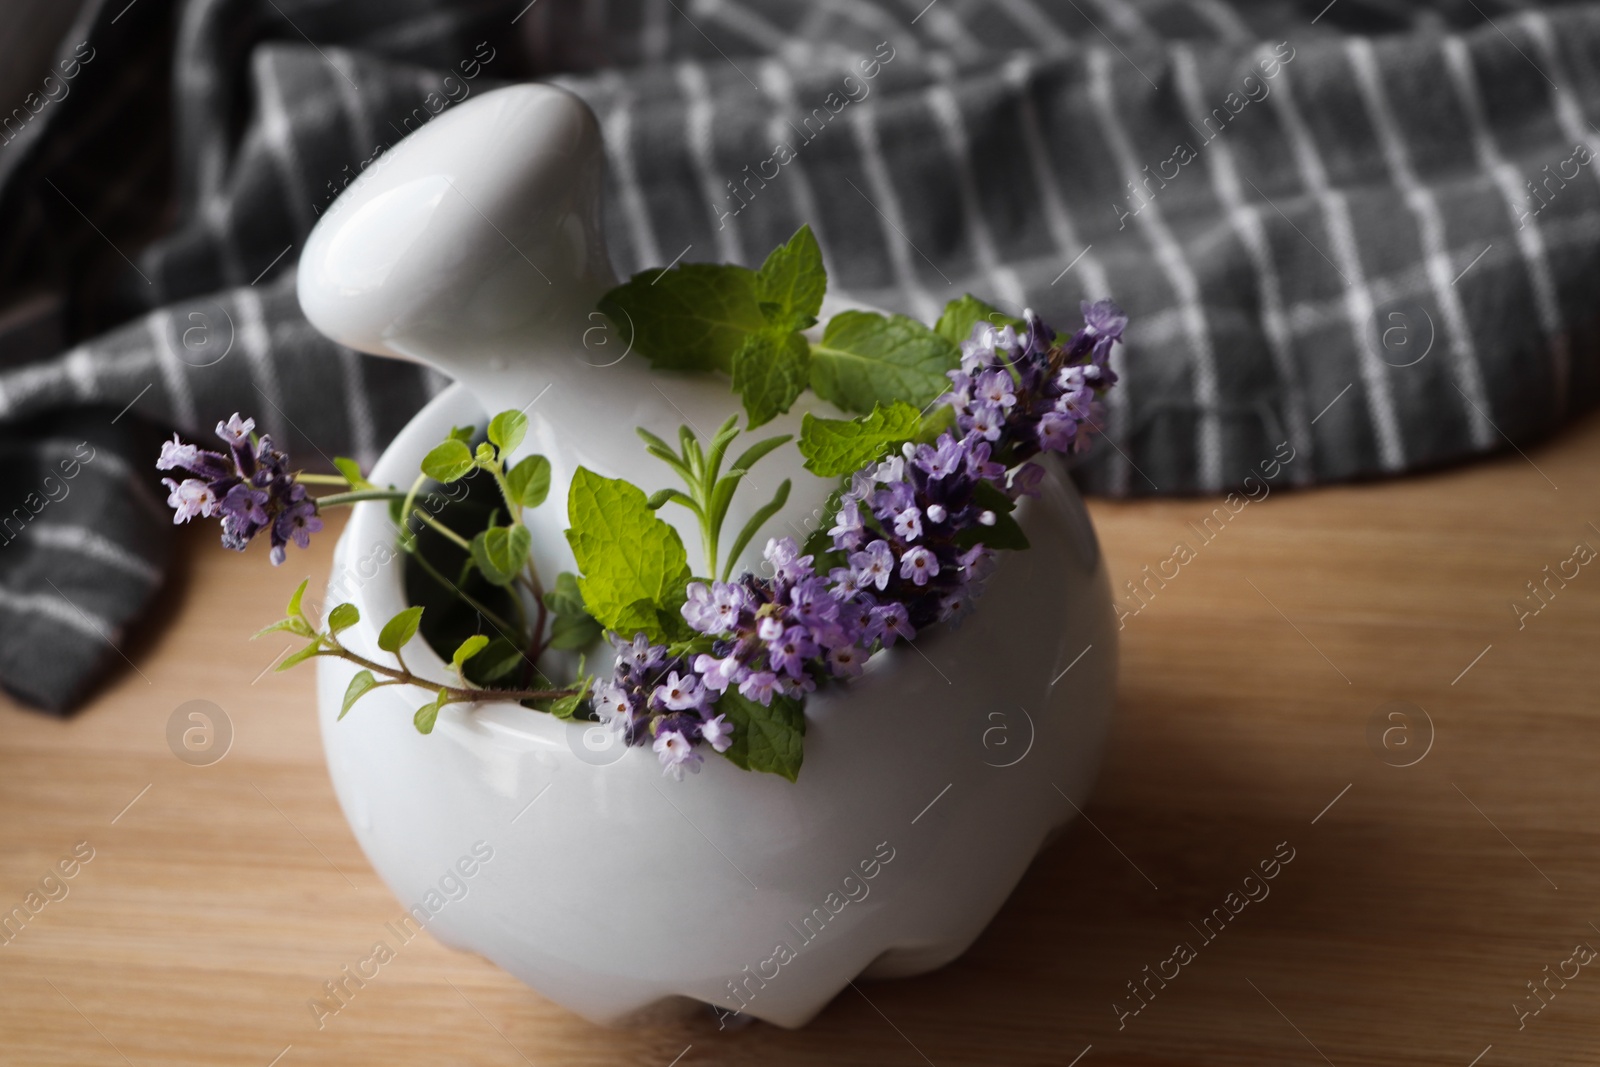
{"points": [[1362, 231]]}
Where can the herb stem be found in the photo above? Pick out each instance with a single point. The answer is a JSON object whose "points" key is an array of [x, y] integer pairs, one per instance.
{"points": [[444, 530], [333, 500], [320, 479], [456, 693], [472, 602]]}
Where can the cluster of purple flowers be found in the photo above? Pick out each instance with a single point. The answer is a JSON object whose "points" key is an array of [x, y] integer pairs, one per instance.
{"points": [[907, 547], [252, 489]]}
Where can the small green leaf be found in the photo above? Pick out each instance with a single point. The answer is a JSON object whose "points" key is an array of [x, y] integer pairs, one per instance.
{"points": [[496, 661], [572, 632], [506, 431], [501, 551], [752, 455], [342, 617], [692, 317], [467, 649], [790, 284], [566, 707], [767, 739], [297, 626], [770, 370], [293, 610], [294, 659], [352, 472], [428, 714], [529, 481], [448, 461], [358, 687], [464, 434], [400, 629], [835, 447], [752, 527], [960, 315], [865, 359], [632, 562]]}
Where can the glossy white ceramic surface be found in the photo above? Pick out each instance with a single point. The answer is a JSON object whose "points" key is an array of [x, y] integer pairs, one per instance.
{"points": [[928, 785]]}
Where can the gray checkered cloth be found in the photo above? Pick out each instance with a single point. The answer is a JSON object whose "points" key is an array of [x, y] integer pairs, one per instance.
{"points": [[1366, 229]]}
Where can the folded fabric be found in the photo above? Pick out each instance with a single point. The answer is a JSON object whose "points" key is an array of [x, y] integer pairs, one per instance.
{"points": [[1363, 237]]}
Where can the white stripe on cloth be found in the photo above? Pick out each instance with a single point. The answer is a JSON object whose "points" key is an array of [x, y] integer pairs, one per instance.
{"points": [[1253, 236], [1573, 124], [1036, 26], [58, 610], [1530, 238], [617, 131], [1169, 255], [160, 326], [953, 132], [79, 365], [87, 542], [1467, 372], [775, 80], [885, 203], [278, 136], [1358, 298], [699, 117], [1224, 19], [255, 341], [749, 25]]}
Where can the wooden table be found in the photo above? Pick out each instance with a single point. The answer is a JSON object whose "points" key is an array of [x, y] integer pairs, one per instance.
{"points": [[1420, 900]]}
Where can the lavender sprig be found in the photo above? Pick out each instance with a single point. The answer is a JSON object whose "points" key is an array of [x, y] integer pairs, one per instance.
{"points": [[913, 544]]}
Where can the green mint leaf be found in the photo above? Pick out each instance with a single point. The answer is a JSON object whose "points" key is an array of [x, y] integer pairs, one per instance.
{"points": [[865, 359], [294, 659], [507, 429], [351, 470], [464, 434], [960, 315], [467, 649], [501, 551], [572, 632], [765, 738], [769, 371], [293, 610], [342, 617], [448, 461], [693, 317], [400, 629], [530, 481], [791, 282], [632, 562], [359, 685], [836, 447]]}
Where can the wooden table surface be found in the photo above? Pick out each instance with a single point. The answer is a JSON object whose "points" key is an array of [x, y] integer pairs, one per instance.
{"points": [[1420, 902]]}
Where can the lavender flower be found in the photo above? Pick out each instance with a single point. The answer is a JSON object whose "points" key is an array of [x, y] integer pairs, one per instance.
{"points": [[903, 556], [251, 488]]}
